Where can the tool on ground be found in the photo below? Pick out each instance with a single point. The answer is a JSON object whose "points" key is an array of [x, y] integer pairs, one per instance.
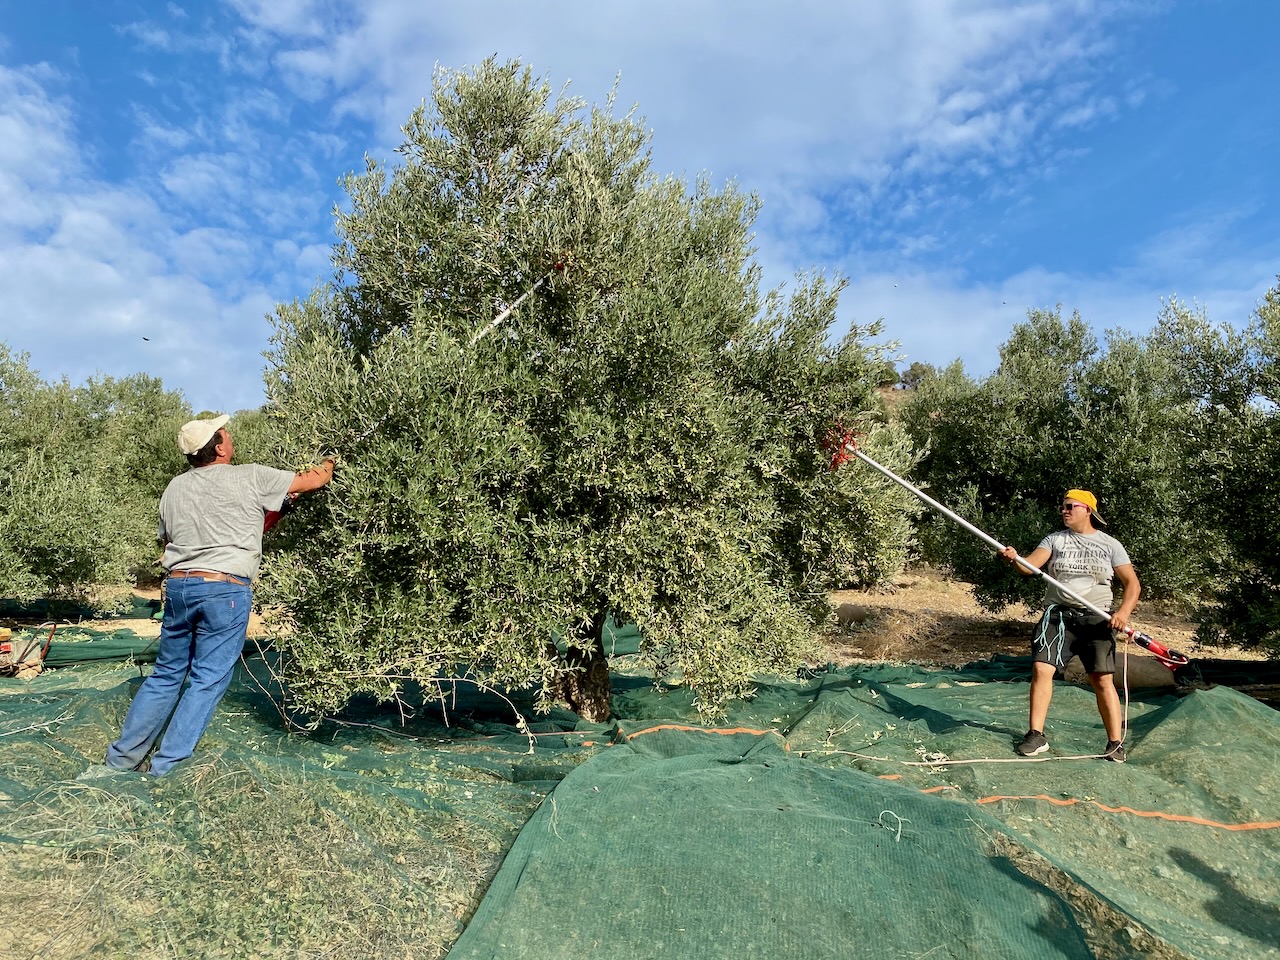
{"points": [[848, 447], [23, 657]]}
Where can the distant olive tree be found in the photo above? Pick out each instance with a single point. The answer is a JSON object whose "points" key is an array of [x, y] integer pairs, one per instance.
{"points": [[255, 434], [1237, 473], [916, 374], [1128, 420], [642, 437], [81, 471]]}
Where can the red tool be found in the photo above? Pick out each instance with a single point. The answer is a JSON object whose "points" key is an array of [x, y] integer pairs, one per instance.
{"points": [[15, 654], [272, 517], [1170, 658]]}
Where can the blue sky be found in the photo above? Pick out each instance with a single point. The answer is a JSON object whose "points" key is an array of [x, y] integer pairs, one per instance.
{"points": [[168, 171]]}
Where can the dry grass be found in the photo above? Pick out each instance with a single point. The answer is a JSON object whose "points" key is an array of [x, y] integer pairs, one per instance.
{"points": [[929, 619], [228, 860]]}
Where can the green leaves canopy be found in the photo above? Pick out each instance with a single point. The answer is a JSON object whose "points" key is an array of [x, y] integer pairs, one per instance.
{"points": [[641, 438], [81, 470]]}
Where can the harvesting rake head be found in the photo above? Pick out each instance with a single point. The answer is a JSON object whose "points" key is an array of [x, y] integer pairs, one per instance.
{"points": [[1170, 658], [841, 443]]}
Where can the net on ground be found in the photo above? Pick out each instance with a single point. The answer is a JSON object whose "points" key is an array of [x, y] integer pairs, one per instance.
{"points": [[834, 815]]}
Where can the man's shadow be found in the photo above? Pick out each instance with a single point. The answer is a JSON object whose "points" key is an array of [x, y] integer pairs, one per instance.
{"points": [[1231, 907]]}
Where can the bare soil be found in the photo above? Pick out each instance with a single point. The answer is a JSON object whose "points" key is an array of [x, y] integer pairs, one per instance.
{"points": [[929, 619], [150, 627]]}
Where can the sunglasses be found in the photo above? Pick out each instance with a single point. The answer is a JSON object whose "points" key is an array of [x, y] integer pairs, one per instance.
{"points": [[1068, 507]]}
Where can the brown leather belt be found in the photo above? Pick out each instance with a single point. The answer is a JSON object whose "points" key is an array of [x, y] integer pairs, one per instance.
{"points": [[210, 575]]}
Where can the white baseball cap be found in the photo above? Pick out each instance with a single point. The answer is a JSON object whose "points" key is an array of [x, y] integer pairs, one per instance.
{"points": [[196, 433]]}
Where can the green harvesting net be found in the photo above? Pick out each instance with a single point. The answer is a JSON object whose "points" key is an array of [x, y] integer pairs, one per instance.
{"points": [[863, 812]]}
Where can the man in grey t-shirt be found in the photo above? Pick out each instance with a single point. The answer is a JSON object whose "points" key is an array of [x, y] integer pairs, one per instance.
{"points": [[1086, 561], [211, 524]]}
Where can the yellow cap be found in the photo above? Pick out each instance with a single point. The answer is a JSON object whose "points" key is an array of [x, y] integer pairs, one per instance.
{"points": [[1088, 499]]}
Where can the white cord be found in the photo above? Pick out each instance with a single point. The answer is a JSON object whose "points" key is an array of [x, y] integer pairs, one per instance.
{"points": [[953, 763], [1124, 730], [1124, 682]]}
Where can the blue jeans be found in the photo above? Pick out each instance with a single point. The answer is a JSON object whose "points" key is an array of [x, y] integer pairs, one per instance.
{"points": [[204, 628]]}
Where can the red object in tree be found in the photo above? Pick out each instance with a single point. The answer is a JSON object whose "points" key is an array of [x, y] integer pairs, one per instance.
{"points": [[839, 442]]}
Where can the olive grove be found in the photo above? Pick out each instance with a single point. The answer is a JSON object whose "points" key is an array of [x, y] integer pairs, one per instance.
{"points": [[1172, 430], [81, 470], [1240, 485], [557, 394]]}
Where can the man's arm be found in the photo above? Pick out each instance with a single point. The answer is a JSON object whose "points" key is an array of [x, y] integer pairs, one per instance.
{"points": [[1037, 558], [312, 479], [1128, 578]]}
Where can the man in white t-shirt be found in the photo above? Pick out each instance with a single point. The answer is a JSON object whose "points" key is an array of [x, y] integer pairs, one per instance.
{"points": [[1085, 560], [211, 523]]}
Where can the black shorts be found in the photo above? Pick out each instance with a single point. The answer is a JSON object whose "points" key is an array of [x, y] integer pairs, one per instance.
{"points": [[1064, 631]]}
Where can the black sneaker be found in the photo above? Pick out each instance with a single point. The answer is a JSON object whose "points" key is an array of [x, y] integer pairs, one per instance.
{"points": [[1114, 752], [1034, 742]]}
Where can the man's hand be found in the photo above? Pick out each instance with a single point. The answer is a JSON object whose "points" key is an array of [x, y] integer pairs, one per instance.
{"points": [[313, 479], [1028, 565]]}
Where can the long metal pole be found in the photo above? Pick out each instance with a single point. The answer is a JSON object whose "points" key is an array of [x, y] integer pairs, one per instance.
{"points": [[986, 538], [501, 317], [497, 321], [477, 337]]}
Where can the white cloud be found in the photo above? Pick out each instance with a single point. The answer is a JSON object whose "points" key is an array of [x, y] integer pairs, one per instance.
{"points": [[832, 113], [939, 317], [210, 181], [811, 89], [36, 154], [94, 268], [158, 137], [155, 37], [312, 260], [194, 253], [305, 18], [867, 129]]}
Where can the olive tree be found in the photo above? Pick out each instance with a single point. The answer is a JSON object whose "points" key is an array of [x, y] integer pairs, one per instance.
{"points": [[1240, 481], [557, 396], [1127, 420], [81, 469]]}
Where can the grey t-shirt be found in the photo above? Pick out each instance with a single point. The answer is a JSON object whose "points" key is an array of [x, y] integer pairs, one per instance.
{"points": [[1086, 563], [211, 517]]}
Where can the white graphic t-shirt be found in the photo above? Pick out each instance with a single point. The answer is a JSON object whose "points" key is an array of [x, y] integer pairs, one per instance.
{"points": [[1084, 562]]}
